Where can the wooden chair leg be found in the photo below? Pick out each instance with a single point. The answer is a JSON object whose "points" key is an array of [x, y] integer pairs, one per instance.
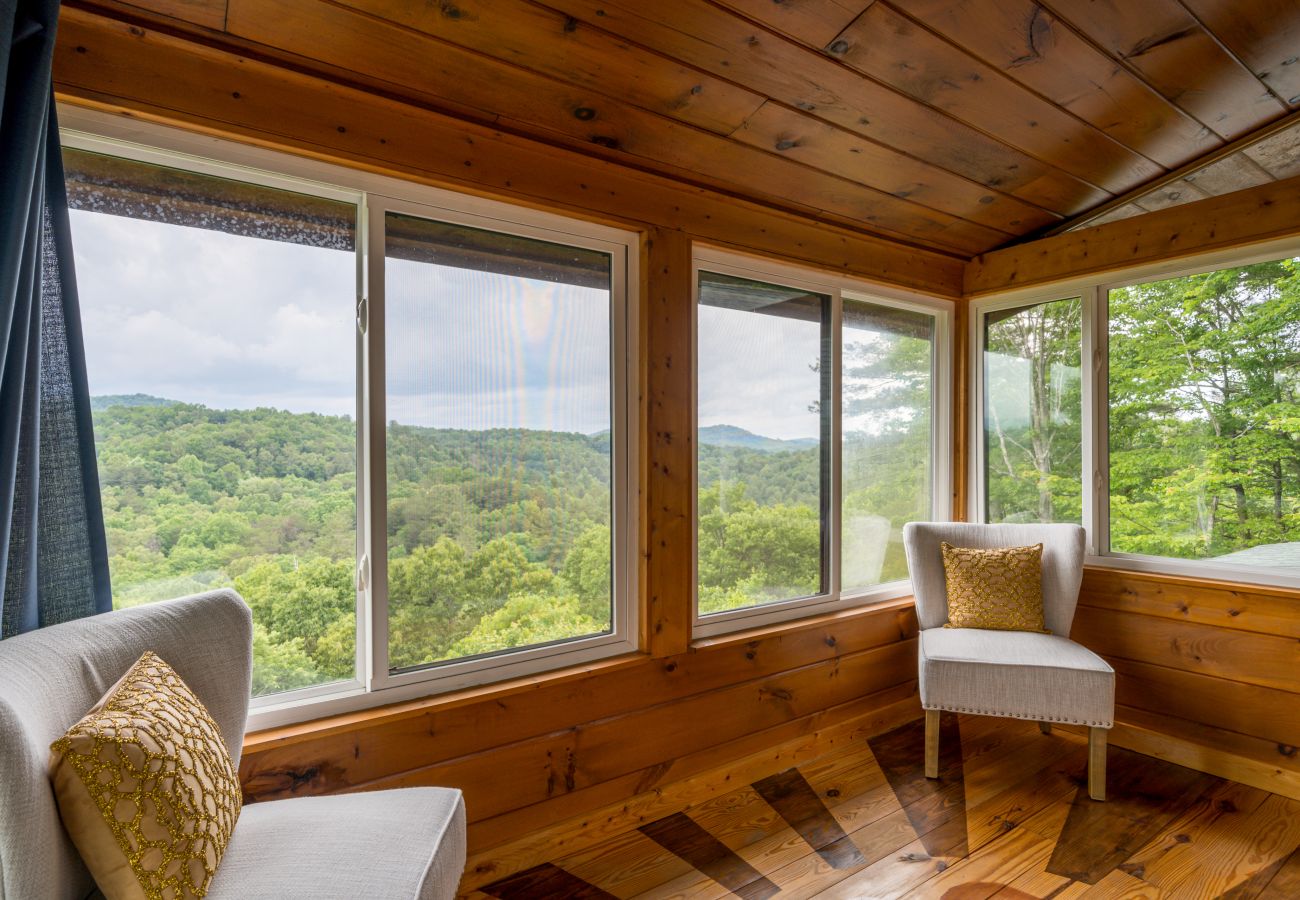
{"points": [[1045, 727], [932, 743], [1097, 763]]}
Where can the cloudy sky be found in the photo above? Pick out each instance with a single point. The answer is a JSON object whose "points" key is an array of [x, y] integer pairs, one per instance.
{"points": [[239, 322]]}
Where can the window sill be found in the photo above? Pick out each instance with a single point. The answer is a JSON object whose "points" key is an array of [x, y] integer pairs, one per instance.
{"points": [[1204, 574], [384, 710]]}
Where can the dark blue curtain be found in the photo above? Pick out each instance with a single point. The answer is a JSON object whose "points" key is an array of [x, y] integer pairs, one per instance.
{"points": [[53, 558]]}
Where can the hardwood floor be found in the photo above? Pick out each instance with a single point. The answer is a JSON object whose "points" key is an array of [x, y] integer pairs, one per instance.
{"points": [[1009, 817]]}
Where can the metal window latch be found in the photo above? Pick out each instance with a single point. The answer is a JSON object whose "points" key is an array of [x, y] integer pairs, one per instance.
{"points": [[363, 315], [363, 573]]}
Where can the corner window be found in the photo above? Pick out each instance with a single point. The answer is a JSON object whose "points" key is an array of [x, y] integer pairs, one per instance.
{"points": [[395, 419], [817, 430], [1175, 448]]}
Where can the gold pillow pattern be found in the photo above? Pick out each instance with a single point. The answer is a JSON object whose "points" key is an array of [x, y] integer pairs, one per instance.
{"points": [[999, 588], [146, 787]]}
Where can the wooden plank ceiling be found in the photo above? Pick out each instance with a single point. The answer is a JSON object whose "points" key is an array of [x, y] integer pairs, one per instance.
{"points": [[960, 126]]}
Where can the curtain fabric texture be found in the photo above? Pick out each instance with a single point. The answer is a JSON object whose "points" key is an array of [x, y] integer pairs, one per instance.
{"points": [[53, 556]]}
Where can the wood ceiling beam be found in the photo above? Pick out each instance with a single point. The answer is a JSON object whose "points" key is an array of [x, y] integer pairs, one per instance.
{"points": [[1191, 168], [1241, 219]]}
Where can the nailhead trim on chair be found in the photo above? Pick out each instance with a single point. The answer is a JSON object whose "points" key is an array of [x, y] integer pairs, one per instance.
{"points": [[1007, 715]]}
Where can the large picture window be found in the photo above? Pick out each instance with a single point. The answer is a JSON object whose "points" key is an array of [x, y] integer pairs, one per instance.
{"points": [[400, 428], [1177, 448], [817, 428]]}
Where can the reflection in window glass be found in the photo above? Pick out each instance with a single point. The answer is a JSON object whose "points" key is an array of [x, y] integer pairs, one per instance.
{"points": [[1205, 416], [763, 440], [887, 395], [499, 406], [1033, 434], [220, 341]]}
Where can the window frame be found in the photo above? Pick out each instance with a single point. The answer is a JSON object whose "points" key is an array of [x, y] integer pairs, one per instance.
{"points": [[373, 685], [708, 258], [1094, 291]]}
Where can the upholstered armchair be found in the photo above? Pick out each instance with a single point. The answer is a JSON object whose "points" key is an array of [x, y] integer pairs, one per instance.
{"points": [[407, 843], [1022, 675]]}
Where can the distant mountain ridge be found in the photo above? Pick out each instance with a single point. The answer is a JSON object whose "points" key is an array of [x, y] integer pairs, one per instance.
{"points": [[735, 436], [104, 401]]}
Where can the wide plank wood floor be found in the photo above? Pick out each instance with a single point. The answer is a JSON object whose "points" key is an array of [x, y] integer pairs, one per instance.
{"points": [[1009, 818]]}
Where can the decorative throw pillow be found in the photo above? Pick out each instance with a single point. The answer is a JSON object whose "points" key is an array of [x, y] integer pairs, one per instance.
{"points": [[999, 588], [146, 788]]}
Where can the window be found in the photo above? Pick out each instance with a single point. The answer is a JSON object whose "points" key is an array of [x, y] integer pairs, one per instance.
{"points": [[219, 332], [1204, 382], [425, 489], [1185, 461], [764, 442], [1032, 403], [817, 423]]}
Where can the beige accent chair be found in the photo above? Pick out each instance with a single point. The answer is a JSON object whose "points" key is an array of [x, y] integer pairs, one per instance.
{"points": [[396, 844], [1043, 677]]}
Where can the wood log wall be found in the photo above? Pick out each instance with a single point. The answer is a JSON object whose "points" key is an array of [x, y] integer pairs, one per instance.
{"points": [[1207, 672]]}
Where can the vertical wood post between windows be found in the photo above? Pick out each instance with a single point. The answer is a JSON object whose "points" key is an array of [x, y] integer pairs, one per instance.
{"points": [[667, 443]]}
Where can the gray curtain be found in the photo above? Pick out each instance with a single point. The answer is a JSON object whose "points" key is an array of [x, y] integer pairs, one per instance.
{"points": [[53, 557]]}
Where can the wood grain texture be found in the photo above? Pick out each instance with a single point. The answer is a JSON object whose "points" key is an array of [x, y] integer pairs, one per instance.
{"points": [[1255, 608], [1253, 658], [1039, 51], [1236, 220], [152, 75], [889, 47], [799, 76], [518, 85], [668, 442], [1165, 44]]}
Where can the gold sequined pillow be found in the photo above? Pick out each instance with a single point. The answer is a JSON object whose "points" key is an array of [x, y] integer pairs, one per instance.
{"points": [[999, 588], [146, 788]]}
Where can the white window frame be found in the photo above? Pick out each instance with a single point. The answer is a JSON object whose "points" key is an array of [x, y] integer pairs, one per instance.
{"points": [[838, 288], [1095, 292], [375, 195]]}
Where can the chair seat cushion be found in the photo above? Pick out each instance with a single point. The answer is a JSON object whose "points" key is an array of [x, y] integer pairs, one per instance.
{"points": [[398, 844], [1044, 677]]}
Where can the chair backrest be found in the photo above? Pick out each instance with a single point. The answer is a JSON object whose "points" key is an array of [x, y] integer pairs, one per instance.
{"points": [[1062, 565], [50, 678]]}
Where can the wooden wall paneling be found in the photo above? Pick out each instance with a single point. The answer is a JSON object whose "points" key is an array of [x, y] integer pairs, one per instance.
{"points": [[399, 54], [595, 752], [801, 76], [634, 799], [668, 438], [1043, 53], [1254, 608], [121, 66], [1218, 702], [887, 46], [1165, 44], [1263, 34], [1235, 220], [1245, 656], [367, 746], [1251, 760], [208, 13]]}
